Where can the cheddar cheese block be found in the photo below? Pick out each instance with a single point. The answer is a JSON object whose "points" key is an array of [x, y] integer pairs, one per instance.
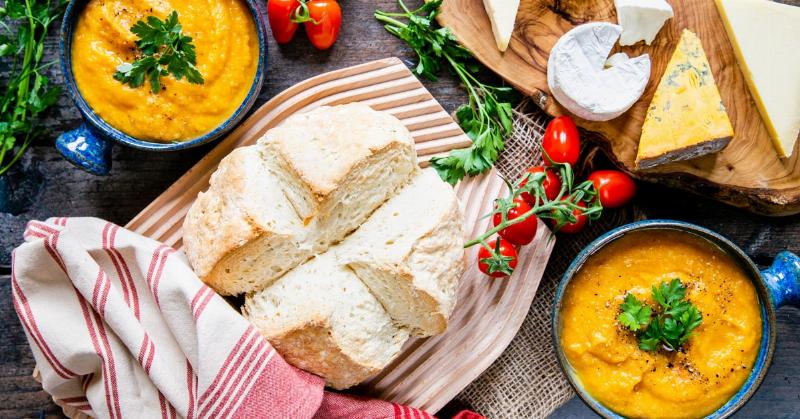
{"points": [[765, 37], [686, 118]]}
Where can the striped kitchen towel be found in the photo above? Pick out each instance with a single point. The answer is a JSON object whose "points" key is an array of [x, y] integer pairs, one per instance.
{"points": [[120, 326]]}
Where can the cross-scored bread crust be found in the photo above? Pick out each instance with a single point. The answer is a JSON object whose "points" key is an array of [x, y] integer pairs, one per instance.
{"points": [[269, 226]]}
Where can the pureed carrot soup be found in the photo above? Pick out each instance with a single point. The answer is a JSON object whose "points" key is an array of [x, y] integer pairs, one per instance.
{"points": [[690, 381], [226, 40]]}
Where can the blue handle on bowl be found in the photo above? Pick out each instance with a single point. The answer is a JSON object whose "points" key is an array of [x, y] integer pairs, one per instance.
{"points": [[84, 148], [783, 279]]}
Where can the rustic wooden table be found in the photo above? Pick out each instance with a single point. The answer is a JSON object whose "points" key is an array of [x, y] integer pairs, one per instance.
{"points": [[44, 185]]}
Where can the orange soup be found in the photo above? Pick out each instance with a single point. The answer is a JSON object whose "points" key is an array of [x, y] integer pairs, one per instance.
{"points": [[691, 382], [226, 39]]}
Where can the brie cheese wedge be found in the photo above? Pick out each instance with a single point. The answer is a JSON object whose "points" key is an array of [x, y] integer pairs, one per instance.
{"points": [[578, 77], [641, 19], [502, 14]]}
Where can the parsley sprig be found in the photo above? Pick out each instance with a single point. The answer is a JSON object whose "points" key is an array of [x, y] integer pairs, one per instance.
{"points": [[486, 119], [671, 327], [26, 91], [164, 50]]}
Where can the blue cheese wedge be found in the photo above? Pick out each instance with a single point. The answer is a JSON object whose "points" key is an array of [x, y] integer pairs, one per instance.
{"points": [[686, 118], [581, 80], [502, 14], [641, 19], [766, 39]]}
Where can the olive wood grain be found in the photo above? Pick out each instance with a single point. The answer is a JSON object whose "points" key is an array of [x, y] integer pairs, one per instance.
{"points": [[429, 372], [747, 174]]}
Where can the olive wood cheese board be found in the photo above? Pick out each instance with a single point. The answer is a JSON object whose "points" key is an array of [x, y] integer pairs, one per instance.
{"points": [[429, 372], [747, 174]]}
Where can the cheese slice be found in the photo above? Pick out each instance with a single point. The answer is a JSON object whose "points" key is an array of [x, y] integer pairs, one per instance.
{"points": [[766, 39], [502, 14], [686, 118], [641, 19]]}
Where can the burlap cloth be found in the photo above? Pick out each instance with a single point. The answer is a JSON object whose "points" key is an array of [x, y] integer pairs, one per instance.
{"points": [[526, 381]]}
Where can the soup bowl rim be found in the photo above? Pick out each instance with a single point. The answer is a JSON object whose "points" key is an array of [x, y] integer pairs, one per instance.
{"points": [[107, 131], [768, 319]]}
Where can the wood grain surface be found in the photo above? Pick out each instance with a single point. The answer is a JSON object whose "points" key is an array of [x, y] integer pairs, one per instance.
{"points": [[748, 173], [44, 185]]}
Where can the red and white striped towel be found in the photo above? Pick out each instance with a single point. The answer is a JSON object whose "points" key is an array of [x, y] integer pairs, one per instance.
{"points": [[120, 326]]}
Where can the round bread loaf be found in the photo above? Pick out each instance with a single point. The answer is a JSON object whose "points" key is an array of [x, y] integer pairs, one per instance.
{"points": [[342, 244]]}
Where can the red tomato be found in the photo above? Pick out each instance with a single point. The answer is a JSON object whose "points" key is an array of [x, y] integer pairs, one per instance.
{"points": [[578, 225], [328, 17], [551, 184], [506, 250], [523, 232], [561, 141], [280, 14], [614, 188]]}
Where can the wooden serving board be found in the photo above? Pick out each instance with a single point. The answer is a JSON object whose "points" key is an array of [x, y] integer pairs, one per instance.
{"points": [[747, 174], [429, 372]]}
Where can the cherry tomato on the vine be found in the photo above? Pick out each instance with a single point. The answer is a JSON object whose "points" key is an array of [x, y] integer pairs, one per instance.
{"points": [[523, 232], [505, 250], [327, 19], [551, 184], [280, 13], [561, 141], [578, 225], [614, 188]]}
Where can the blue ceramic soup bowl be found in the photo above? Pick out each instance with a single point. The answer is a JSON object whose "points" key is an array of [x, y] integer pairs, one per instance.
{"points": [[776, 286], [89, 145]]}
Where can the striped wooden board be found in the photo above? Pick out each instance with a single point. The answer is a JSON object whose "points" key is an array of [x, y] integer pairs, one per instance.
{"points": [[429, 372]]}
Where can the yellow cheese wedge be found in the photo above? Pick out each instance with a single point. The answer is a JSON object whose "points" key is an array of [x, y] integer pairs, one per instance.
{"points": [[686, 118], [502, 14], [766, 39]]}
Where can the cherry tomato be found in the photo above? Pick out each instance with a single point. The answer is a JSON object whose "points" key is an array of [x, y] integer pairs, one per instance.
{"points": [[561, 141], [578, 225], [551, 184], [280, 14], [506, 250], [614, 188], [523, 232], [328, 17]]}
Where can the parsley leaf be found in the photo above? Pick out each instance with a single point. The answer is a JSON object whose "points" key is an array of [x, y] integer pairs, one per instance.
{"points": [[164, 50], [486, 118], [671, 327], [635, 314], [668, 294]]}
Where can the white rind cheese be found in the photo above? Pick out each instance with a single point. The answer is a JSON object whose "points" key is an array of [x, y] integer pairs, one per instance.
{"points": [[578, 77], [502, 14], [641, 19], [766, 39]]}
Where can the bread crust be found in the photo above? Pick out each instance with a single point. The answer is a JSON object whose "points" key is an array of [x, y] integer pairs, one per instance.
{"points": [[312, 347], [276, 204], [275, 222]]}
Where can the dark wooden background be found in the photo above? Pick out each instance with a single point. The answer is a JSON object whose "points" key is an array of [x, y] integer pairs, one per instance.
{"points": [[44, 185]]}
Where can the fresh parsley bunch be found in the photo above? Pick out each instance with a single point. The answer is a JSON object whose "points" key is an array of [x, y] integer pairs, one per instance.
{"points": [[164, 50], [671, 327], [486, 119], [26, 91]]}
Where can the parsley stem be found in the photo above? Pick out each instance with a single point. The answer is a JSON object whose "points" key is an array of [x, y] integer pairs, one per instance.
{"points": [[22, 90]]}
